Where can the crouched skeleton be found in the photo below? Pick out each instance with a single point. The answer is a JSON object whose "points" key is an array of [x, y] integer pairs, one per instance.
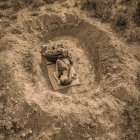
{"points": [[62, 58]]}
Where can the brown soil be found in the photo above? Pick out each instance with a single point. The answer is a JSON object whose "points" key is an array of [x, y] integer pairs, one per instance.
{"points": [[106, 104]]}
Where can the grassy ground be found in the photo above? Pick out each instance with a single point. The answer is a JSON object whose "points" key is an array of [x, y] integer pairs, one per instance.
{"points": [[124, 16]]}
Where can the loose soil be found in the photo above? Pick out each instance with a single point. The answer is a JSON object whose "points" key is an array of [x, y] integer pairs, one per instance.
{"points": [[95, 109]]}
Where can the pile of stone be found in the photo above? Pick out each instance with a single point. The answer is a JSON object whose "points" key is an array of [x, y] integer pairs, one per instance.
{"points": [[54, 51]]}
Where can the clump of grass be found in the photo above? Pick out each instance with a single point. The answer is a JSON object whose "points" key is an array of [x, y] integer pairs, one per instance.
{"points": [[28, 62], [16, 5], [49, 1], [101, 9], [136, 15], [130, 121], [120, 19], [85, 4], [5, 74], [120, 22], [3, 0], [13, 17], [123, 15], [37, 3], [126, 2], [134, 35], [4, 6], [29, 1]]}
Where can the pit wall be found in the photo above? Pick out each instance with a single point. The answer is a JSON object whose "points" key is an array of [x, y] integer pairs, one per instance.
{"points": [[105, 56]]}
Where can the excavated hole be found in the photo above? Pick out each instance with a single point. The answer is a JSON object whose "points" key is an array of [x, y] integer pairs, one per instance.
{"points": [[86, 43], [91, 51], [89, 46], [84, 40], [82, 65]]}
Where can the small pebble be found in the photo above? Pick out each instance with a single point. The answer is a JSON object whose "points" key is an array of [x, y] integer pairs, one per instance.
{"points": [[30, 131], [23, 134]]}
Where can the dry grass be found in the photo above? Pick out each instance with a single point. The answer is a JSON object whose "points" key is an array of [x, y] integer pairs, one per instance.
{"points": [[122, 15], [136, 14], [28, 62], [120, 22], [9, 94], [131, 121], [4, 75], [102, 9], [17, 5]]}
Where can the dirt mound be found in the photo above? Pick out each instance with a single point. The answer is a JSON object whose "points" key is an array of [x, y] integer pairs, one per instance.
{"points": [[92, 110]]}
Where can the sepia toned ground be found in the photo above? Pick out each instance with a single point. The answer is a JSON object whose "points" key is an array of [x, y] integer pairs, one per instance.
{"points": [[105, 106]]}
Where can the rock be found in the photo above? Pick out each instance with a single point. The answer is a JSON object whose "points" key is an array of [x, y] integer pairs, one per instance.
{"points": [[109, 75], [30, 131], [23, 135]]}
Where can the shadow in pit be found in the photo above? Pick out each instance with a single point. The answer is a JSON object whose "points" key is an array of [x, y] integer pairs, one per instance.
{"points": [[43, 67], [64, 91]]}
